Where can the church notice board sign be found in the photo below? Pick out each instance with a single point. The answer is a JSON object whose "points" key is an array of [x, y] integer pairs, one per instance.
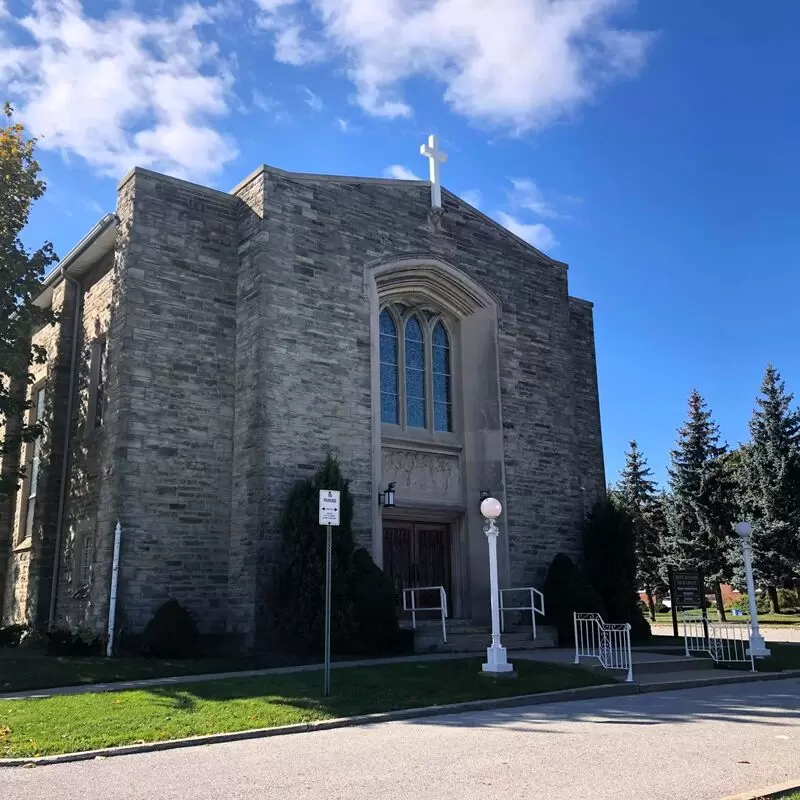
{"points": [[329, 507], [686, 588]]}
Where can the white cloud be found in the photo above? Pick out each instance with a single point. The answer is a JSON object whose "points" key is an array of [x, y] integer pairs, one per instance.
{"points": [[537, 234], [401, 173], [314, 101], [291, 45], [120, 91], [515, 63], [345, 126], [528, 196], [472, 196]]}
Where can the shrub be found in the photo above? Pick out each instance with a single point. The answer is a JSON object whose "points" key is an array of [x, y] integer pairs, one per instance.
{"points": [[80, 641], [566, 591], [743, 604], [12, 635], [375, 606], [171, 633], [363, 602], [789, 600]]}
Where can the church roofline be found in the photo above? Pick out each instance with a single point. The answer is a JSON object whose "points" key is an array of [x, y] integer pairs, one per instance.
{"points": [[98, 242], [318, 177], [300, 176]]}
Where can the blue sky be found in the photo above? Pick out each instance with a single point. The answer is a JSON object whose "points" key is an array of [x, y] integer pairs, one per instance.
{"points": [[651, 145]]}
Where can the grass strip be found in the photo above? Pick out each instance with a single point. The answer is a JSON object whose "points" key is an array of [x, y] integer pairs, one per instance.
{"points": [[73, 723]]}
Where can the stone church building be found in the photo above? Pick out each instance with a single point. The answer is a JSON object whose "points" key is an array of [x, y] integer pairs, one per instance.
{"points": [[212, 347]]}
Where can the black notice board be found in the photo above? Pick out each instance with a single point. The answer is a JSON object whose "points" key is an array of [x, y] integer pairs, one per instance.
{"points": [[686, 591]]}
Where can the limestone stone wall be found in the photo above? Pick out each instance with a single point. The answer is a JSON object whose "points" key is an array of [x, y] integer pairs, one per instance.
{"points": [[77, 602], [240, 353], [30, 561], [172, 454], [316, 366]]}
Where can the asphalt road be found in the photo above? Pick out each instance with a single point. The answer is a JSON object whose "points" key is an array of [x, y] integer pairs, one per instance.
{"points": [[697, 744]]}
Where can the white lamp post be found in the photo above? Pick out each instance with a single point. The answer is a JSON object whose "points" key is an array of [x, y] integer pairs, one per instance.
{"points": [[496, 663], [757, 646]]}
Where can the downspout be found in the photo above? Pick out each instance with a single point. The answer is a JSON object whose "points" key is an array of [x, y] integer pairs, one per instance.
{"points": [[62, 494], [112, 599]]}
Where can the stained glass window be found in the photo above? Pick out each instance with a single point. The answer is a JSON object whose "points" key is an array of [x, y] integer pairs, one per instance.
{"points": [[415, 374], [442, 380], [390, 404]]}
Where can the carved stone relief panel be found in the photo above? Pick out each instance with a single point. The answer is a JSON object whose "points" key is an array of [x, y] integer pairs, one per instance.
{"points": [[423, 475]]}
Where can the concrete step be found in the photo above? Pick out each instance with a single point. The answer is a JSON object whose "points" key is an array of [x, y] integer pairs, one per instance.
{"points": [[671, 665], [475, 639]]}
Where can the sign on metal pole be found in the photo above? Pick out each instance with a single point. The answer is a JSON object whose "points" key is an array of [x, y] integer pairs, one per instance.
{"points": [[329, 515], [329, 506]]}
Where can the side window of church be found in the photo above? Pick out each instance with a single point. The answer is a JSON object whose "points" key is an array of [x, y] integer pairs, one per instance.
{"points": [[84, 562], [97, 373], [32, 463], [416, 375]]}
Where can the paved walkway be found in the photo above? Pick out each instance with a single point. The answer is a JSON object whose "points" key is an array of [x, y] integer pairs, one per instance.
{"points": [[693, 745], [774, 633]]}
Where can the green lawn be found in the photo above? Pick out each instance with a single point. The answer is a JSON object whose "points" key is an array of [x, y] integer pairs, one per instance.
{"points": [[22, 669], [88, 721]]}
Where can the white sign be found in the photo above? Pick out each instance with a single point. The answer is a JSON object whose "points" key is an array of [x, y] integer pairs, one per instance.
{"points": [[329, 504]]}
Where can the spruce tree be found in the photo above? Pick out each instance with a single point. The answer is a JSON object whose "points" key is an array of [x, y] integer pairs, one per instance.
{"points": [[699, 510], [636, 493], [770, 486]]}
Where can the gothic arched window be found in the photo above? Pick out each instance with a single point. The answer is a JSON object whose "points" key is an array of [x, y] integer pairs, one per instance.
{"points": [[415, 374], [390, 378], [416, 370], [442, 379]]}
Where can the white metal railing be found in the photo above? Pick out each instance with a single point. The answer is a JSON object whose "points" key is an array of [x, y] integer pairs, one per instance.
{"points": [[723, 641], [609, 643], [533, 594], [410, 594]]}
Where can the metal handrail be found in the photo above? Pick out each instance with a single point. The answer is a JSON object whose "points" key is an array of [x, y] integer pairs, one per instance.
{"points": [[414, 608], [723, 641], [533, 608], [610, 643]]}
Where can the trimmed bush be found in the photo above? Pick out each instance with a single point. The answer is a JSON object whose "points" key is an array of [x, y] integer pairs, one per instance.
{"points": [[375, 606], [62, 641], [12, 635], [171, 633], [610, 565], [566, 591]]}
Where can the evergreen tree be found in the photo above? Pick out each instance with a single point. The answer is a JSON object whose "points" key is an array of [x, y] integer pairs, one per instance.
{"points": [[610, 564], [299, 602], [699, 510], [636, 493], [21, 276], [363, 605], [770, 486]]}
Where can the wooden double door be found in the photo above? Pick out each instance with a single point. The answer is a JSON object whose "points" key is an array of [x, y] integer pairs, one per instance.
{"points": [[417, 554]]}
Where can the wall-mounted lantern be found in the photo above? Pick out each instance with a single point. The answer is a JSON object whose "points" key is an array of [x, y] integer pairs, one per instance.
{"points": [[386, 499]]}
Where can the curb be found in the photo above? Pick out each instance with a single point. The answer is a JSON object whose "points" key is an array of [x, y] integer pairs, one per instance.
{"points": [[563, 695], [722, 680], [771, 791], [581, 693]]}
